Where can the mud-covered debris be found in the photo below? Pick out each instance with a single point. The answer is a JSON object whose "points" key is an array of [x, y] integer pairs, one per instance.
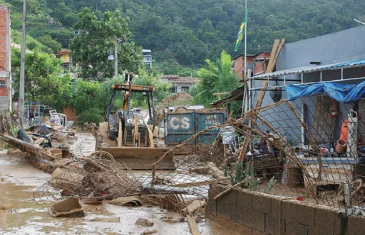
{"points": [[6, 207], [126, 201], [149, 231], [144, 222], [169, 219], [92, 201], [68, 208], [195, 205], [199, 170], [111, 220]]}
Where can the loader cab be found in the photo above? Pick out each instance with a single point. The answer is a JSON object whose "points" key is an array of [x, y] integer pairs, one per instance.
{"points": [[123, 125]]}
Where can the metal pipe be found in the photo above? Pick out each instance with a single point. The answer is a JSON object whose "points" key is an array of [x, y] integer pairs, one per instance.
{"points": [[321, 76], [116, 57], [308, 83], [279, 80]]}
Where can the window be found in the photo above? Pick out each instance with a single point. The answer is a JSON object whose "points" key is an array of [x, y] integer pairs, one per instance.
{"points": [[185, 88], [2, 84]]}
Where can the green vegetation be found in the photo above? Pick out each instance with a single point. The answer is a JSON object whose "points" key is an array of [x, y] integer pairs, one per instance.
{"points": [[44, 82], [96, 41], [181, 34], [187, 32], [217, 77]]}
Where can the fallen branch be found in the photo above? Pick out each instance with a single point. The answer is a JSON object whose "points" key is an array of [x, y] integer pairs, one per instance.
{"points": [[194, 184], [231, 188]]}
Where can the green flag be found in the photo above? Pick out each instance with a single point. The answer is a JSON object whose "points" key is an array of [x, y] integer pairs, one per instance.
{"points": [[241, 32]]}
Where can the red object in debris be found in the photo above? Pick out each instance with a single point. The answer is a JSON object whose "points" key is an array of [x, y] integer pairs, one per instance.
{"points": [[300, 198]]}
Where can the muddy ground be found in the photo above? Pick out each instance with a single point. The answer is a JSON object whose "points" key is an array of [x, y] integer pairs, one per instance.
{"points": [[18, 181]]}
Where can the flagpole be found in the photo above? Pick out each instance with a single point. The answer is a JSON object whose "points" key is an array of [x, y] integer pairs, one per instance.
{"points": [[244, 98], [247, 95]]}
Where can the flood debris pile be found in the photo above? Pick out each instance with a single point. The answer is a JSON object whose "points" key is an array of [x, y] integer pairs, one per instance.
{"points": [[280, 149], [96, 176], [46, 146], [52, 134]]}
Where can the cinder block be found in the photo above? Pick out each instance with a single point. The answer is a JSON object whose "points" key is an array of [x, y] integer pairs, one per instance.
{"points": [[356, 225], [242, 230], [224, 210], [275, 207], [244, 199], [303, 213], [224, 223], [239, 214], [325, 221], [286, 210], [255, 220], [214, 189], [212, 207], [230, 198], [272, 225], [261, 204], [293, 228], [257, 232]]}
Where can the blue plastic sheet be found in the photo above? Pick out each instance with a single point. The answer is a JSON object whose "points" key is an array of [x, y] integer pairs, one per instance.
{"points": [[341, 92]]}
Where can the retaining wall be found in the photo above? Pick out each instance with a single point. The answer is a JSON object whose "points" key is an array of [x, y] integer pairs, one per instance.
{"points": [[246, 212]]}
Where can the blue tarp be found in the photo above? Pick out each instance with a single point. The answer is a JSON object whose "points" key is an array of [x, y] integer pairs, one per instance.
{"points": [[341, 92]]}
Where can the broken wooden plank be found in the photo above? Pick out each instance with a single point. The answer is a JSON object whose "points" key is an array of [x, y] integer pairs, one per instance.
{"points": [[111, 220], [215, 171], [195, 205], [194, 184], [278, 45], [193, 226]]}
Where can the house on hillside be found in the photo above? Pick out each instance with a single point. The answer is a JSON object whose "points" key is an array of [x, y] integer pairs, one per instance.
{"points": [[256, 63], [5, 60], [147, 57], [65, 57], [180, 83]]}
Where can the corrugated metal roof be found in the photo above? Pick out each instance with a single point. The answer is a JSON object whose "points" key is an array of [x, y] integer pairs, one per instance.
{"points": [[314, 68]]}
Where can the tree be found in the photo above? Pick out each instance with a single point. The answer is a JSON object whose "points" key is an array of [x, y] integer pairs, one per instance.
{"points": [[91, 48], [161, 88], [49, 42], [43, 79], [217, 77]]}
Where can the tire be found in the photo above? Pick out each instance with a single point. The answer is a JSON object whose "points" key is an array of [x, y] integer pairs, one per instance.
{"points": [[22, 135]]}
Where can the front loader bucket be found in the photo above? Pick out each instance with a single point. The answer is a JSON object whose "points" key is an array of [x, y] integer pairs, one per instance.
{"points": [[142, 158]]}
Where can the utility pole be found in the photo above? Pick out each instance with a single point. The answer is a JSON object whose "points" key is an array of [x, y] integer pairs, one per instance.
{"points": [[22, 67], [116, 57]]}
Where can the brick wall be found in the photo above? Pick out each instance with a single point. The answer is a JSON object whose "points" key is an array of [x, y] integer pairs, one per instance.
{"points": [[5, 55], [245, 212], [238, 66], [4, 41]]}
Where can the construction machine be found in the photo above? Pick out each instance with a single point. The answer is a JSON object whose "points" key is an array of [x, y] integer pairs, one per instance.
{"points": [[127, 136]]}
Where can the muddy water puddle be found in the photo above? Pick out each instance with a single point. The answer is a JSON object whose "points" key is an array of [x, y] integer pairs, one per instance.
{"points": [[28, 217]]}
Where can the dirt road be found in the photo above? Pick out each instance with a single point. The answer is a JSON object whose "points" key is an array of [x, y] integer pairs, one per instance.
{"points": [[18, 181]]}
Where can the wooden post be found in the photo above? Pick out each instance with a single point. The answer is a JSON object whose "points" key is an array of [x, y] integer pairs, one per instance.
{"points": [[270, 68]]}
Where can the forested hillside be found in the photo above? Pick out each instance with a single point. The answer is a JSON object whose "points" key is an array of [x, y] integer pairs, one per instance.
{"points": [[189, 31]]}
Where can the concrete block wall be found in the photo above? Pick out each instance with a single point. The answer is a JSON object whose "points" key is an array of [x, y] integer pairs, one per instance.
{"points": [[245, 212]]}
